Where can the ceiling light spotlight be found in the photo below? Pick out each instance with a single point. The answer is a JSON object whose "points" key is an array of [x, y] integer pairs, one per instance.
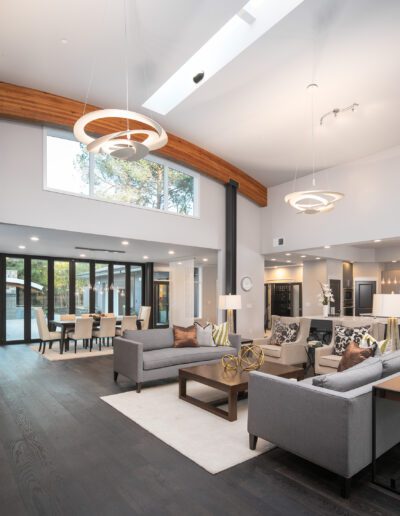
{"points": [[273, 259], [171, 252], [288, 254], [21, 247], [327, 246], [377, 241], [34, 238], [198, 77], [317, 258], [82, 255], [179, 263], [288, 261], [303, 256], [125, 242], [205, 259], [64, 41], [394, 261], [145, 257]]}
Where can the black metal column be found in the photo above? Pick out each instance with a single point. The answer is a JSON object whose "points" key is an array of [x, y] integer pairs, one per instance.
{"points": [[2, 299], [231, 239], [149, 289]]}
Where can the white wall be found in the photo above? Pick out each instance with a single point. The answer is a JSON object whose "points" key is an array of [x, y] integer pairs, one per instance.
{"points": [[209, 293], [283, 274], [367, 211], [250, 262], [23, 201], [368, 271], [313, 273]]}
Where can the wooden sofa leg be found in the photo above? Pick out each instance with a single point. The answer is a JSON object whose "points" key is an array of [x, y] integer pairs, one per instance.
{"points": [[346, 486], [115, 376], [138, 387], [252, 441]]}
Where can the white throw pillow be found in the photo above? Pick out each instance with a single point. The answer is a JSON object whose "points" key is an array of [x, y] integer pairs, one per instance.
{"points": [[204, 335], [379, 347]]}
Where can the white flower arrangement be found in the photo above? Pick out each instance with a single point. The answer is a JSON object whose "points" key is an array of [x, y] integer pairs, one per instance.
{"points": [[325, 296]]}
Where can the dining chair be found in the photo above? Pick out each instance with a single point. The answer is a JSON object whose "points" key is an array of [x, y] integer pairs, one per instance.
{"points": [[44, 334], [82, 331], [86, 316], [144, 317], [67, 317], [111, 314], [128, 323], [106, 330]]}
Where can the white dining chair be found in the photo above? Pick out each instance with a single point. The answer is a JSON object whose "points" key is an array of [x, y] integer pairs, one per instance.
{"points": [[82, 331], [44, 334], [144, 317], [128, 323], [106, 330]]}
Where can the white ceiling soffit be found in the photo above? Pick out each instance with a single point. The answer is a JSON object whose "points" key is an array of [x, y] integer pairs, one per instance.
{"points": [[242, 30]]}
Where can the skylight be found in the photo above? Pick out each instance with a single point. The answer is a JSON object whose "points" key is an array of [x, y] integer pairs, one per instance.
{"points": [[241, 31]]}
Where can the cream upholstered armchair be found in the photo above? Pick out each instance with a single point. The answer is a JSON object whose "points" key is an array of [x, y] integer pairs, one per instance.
{"points": [[289, 353], [325, 359]]}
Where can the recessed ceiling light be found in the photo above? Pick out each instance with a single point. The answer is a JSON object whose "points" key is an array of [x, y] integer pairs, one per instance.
{"points": [[327, 246], [145, 257], [21, 247], [302, 264], [288, 254], [171, 252], [377, 241], [245, 27], [288, 261], [82, 255], [394, 261], [317, 258], [34, 238], [303, 256], [64, 41], [125, 242], [205, 259], [179, 263], [273, 259]]}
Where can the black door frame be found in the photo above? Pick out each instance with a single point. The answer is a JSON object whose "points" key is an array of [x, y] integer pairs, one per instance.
{"points": [[357, 294], [50, 288], [155, 303]]}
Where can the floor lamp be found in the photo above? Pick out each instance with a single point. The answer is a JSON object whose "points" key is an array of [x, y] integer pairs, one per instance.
{"points": [[230, 303], [388, 306]]}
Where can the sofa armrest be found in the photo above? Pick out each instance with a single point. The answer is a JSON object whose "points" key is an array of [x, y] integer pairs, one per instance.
{"points": [[303, 420], [128, 358], [322, 351], [235, 341], [293, 353], [262, 342]]}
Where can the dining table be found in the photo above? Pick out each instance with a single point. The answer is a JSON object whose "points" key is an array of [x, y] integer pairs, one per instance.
{"points": [[66, 326]]}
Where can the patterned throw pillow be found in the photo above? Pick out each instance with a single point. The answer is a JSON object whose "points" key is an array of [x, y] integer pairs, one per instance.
{"points": [[220, 334], [284, 333], [344, 335]]}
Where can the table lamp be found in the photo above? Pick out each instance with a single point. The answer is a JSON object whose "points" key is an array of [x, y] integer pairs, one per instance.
{"points": [[388, 306], [229, 303]]}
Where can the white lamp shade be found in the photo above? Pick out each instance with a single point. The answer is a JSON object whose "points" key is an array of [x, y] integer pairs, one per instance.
{"points": [[230, 302], [386, 305]]}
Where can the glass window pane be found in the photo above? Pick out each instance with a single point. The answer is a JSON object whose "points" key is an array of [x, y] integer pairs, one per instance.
{"points": [[39, 291], [136, 289], [138, 182], [61, 288], [162, 304], [67, 166], [197, 292], [82, 288], [119, 289], [14, 298], [101, 288], [180, 192]]}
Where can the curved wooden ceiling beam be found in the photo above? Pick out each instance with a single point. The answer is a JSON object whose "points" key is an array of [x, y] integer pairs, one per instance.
{"points": [[31, 105]]}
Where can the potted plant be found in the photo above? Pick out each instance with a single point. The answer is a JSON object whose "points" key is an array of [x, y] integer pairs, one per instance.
{"points": [[325, 297]]}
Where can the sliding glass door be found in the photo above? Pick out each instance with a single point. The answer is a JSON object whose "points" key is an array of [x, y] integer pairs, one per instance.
{"points": [[101, 288], [39, 291], [15, 294], [136, 288], [82, 288], [61, 288]]}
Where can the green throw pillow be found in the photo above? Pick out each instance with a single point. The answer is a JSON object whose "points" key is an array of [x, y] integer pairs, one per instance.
{"points": [[220, 334]]}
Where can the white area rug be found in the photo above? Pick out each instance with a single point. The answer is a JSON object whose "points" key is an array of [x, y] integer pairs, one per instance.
{"points": [[212, 442], [54, 354]]}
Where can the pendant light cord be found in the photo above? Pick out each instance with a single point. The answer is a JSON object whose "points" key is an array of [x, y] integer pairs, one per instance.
{"points": [[126, 64], [312, 133]]}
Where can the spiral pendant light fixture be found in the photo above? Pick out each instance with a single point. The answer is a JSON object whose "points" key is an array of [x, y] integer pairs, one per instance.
{"points": [[121, 144], [311, 202]]}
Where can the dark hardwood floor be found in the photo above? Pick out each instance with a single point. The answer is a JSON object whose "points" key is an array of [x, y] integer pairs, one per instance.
{"points": [[64, 451]]}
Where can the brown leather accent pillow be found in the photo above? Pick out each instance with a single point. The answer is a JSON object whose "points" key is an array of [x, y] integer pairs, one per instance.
{"points": [[354, 355], [185, 337]]}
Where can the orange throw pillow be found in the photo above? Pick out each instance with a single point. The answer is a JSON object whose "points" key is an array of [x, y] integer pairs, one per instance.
{"points": [[185, 337], [354, 355]]}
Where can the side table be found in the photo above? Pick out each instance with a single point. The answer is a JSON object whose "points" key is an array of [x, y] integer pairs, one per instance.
{"points": [[388, 390], [310, 350]]}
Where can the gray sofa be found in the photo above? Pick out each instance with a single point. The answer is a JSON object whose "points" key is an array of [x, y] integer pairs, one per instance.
{"points": [[149, 355], [331, 428]]}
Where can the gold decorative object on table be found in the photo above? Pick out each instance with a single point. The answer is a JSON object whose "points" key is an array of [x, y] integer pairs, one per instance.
{"points": [[251, 357], [230, 362]]}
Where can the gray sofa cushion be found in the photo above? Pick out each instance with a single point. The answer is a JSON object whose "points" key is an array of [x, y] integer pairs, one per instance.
{"points": [[366, 372], [157, 338], [175, 356], [391, 363]]}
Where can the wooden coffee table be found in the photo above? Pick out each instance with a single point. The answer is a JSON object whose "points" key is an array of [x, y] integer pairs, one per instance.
{"points": [[230, 382]]}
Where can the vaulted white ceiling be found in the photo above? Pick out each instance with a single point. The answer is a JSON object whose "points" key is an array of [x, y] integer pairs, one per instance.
{"points": [[255, 111]]}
